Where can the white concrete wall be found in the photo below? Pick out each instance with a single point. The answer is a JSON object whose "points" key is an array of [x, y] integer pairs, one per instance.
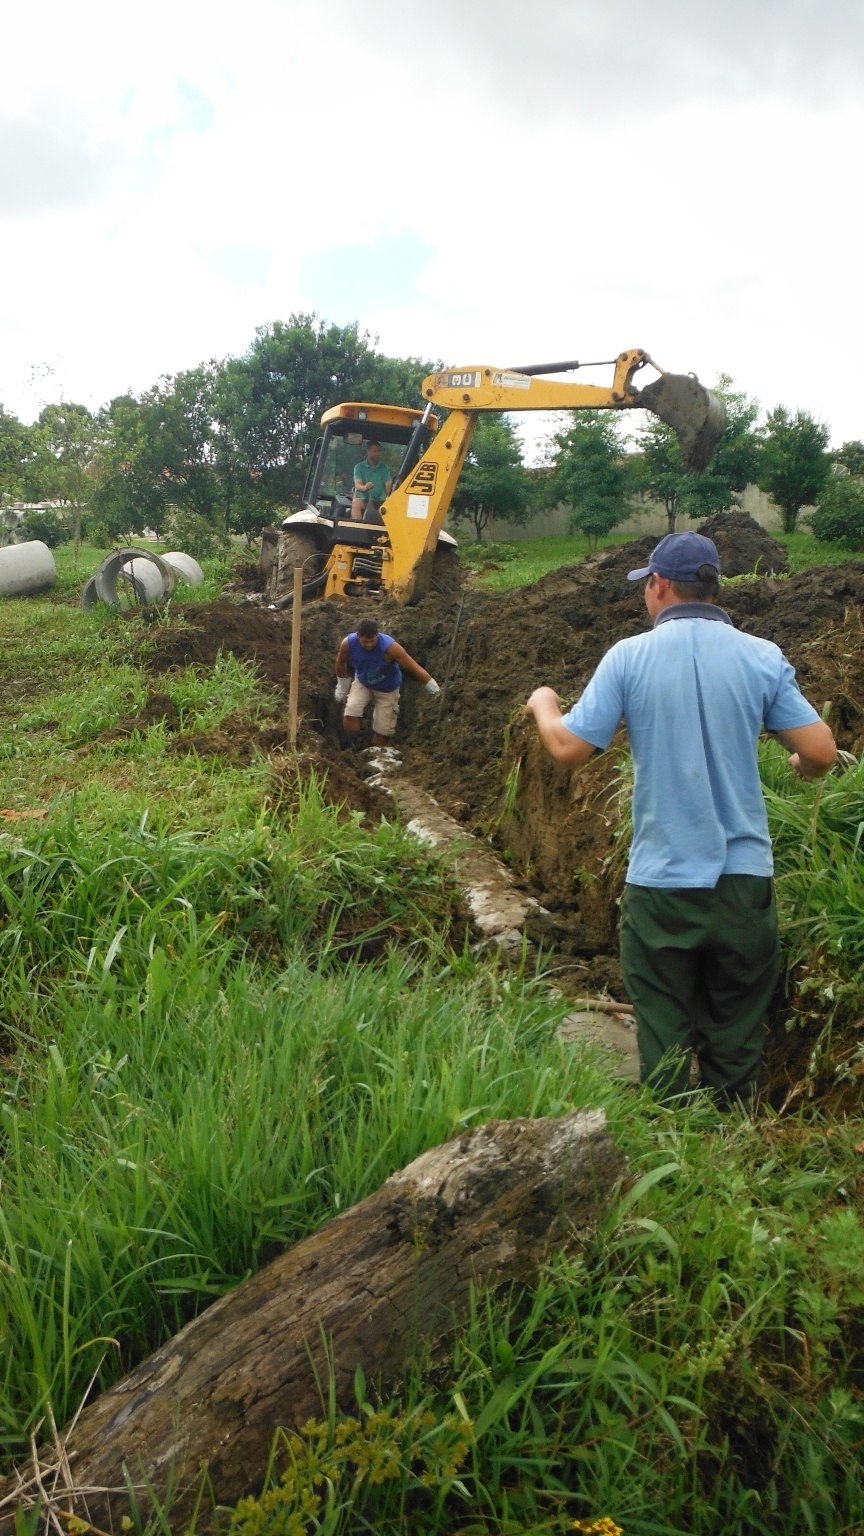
{"points": [[646, 517]]}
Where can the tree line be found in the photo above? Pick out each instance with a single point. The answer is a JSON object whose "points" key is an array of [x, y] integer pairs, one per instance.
{"points": [[211, 451], [223, 448], [591, 469]]}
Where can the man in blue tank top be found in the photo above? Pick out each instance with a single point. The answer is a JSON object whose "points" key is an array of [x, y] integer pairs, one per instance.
{"points": [[699, 942], [377, 662]]}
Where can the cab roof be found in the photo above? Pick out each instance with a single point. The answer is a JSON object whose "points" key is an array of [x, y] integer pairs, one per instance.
{"points": [[362, 413]]}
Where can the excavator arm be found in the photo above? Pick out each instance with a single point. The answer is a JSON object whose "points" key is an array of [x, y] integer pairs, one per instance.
{"points": [[414, 513]]}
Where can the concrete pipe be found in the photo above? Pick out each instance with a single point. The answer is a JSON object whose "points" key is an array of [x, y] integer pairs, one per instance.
{"points": [[147, 579], [186, 567], [26, 568], [141, 581], [89, 596]]}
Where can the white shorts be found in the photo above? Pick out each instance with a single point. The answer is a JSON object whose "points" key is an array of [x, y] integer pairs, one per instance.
{"points": [[385, 711]]}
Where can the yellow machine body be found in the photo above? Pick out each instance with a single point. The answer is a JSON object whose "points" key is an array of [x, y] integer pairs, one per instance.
{"points": [[397, 556]]}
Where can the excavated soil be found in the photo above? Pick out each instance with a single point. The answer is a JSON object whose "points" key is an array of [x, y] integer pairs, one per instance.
{"points": [[473, 749]]}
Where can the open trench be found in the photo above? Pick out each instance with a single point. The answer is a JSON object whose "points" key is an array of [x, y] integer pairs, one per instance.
{"points": [[538, 851], [504, 913]]}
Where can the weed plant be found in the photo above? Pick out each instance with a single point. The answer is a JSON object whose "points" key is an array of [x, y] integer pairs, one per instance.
{"points": [[169, 1131], [817, 832]]}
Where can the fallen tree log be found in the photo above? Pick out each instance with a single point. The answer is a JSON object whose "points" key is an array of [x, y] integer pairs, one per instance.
{"points": [[366, 1290]]}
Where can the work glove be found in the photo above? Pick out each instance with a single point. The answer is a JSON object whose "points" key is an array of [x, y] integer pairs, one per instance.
{"points": [[342, 689], [432, 688]]}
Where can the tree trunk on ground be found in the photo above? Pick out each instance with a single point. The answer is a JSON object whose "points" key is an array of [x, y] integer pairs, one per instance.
{"points": [[366, 1290]]}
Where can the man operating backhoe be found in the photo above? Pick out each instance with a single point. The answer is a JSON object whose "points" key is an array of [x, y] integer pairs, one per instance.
{"points": [[371, 484], [700, 952]]}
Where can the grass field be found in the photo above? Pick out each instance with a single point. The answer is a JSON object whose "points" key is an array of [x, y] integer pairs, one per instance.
{"points": [[197, 1070], [523, 561]]}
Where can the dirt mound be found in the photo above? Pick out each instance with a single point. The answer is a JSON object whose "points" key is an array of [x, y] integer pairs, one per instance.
{"points": [[743, 546]]}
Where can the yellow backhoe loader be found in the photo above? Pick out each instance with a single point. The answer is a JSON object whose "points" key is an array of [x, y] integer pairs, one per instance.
{"points": [[401, 546]]}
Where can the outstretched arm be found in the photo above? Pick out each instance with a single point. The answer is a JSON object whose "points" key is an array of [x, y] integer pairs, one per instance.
{"points": [[397, 652], [342, 660], [812, 749], [568, 750]]}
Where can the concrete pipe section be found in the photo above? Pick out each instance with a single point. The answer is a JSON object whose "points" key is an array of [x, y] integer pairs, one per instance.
{"points": [[26, 568], [147, 578], [185, 567], [142, 575]]}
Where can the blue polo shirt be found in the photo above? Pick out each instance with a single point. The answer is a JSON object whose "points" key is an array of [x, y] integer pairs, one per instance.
{"points": [[695, 694]]}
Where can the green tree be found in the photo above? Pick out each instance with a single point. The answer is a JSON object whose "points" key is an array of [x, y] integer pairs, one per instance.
{"points": [[493, 481], [591, 473], [229, 442], [734, 463], [130, 490], [393, 380], [795, 463], [160, 454], [273, 398], [64, 443], [851, 458], [839, 517], [13, 437]]}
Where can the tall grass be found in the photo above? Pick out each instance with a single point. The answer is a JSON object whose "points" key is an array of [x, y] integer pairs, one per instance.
{"points": [[159, 1143], [684, 1374], [817, 832], [73, 908], [229, 1015]]}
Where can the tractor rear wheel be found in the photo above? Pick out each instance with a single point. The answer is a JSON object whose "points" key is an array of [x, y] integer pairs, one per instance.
{"points": [[297, 546]]}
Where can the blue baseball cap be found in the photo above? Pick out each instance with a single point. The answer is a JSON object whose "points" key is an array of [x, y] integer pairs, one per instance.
{"points": [[678, 557]]}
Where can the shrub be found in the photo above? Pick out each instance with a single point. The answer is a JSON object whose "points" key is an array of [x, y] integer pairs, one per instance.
{"points": [[50, 527], [839, 517], [193, 534]]}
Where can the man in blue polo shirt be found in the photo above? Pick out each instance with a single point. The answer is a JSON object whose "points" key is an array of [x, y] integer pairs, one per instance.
{"points": [[699, 943]]}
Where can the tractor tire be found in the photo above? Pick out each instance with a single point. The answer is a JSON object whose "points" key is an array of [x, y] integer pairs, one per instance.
{"points": [[297, 546]]}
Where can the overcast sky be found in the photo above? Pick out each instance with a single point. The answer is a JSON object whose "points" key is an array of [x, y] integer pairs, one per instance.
{"points": [[473, 181]]}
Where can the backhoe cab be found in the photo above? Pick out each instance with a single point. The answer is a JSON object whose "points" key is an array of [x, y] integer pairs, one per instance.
{"points": [[405, 550], [341, 557]]}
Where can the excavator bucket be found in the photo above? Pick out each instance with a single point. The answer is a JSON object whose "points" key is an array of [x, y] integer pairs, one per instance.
{"points": [[694, 414]]}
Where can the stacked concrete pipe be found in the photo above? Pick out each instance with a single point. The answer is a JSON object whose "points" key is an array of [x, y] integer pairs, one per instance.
{"points": [[141, 574]]}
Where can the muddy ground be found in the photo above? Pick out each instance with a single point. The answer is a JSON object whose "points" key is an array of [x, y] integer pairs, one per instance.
{"points": [[473, 749]]}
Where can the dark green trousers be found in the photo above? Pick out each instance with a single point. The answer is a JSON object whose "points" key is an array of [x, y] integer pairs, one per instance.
{"points": [[700, 968]]}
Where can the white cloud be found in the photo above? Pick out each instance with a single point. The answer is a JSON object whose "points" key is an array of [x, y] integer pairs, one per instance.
{"points": [[588, 176]]}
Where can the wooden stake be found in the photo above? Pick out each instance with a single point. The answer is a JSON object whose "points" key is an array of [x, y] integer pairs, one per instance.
{"points": [[294, 684]]}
